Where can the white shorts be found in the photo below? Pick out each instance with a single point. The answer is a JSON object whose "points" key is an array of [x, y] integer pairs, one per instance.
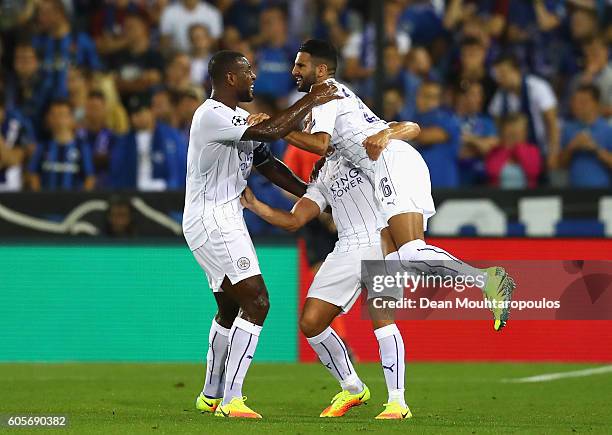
{"points": [[228, 251], [402, 183], [338, 281]]}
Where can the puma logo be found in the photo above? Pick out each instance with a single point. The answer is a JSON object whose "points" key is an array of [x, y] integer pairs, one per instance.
{"points": [[390, 368], [249, 357]]}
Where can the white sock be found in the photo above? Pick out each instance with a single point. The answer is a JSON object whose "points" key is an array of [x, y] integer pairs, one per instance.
{"points": [[215, 361], [391, 347], [332, 353], [244, 336], [432, 260]]}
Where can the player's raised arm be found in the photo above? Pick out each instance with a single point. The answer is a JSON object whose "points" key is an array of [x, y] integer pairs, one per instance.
{"points": [[303, 212], [376, 143], [283, 123]]}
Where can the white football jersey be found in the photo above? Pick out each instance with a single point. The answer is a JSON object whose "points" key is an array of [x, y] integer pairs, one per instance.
{"points": [[355, 210], [349, 122], [218, 165]]}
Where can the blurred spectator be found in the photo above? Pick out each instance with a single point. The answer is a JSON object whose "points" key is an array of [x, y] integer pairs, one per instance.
{"points": [[583, 26], [336, 21], [472, 68], [587, 141], [101, 139], [27, 90], [163, 107], [419, 68], [515, 163], [201, 44], [533, 96], [243, 15], [530, 32], [478, 133], [120, 217], [275, 55], [440, 136], [64, 162], [108, 25], [138, 65], [78, 89], [460, 11], [186, 105], [16, 143], [178, 17], [393, 104], [597, 71], [151, 156], [177, 75], [360, 50], [60, 46], [421, 20]]}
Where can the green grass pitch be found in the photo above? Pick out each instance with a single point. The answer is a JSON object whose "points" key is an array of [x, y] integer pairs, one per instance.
{"points": [[445, 398]]}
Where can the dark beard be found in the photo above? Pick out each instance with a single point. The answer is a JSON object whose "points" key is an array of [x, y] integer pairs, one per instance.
{"points": [[245, 97]]}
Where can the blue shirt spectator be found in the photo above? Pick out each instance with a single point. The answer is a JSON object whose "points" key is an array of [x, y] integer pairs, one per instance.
{"points": [[16, 142], [152, 156], [439, 140], [59, 46], [422, 22], [587, 142], [275, 55], [64, 162], [62, 166], [478, 133], [26, 89]]}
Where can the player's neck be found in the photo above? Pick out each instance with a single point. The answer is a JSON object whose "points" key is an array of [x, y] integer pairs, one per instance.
{"points": [[229, 101]]}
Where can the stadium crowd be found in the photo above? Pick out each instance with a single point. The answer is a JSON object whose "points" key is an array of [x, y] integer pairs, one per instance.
{"points": [[508, 93]]}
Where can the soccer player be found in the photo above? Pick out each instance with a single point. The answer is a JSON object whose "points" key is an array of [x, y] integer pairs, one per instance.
{"points": [[222, 151], [400, 176], [337, 284]]}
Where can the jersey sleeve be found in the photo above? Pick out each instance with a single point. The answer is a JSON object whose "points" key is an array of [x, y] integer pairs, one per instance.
{"points": [[261, 154], [222, 126], [324, 117], [315, 194]]}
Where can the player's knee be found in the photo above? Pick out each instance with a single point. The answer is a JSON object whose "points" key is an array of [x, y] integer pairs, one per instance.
{"points": [[310, 325], [226, 317], [257, 308]]}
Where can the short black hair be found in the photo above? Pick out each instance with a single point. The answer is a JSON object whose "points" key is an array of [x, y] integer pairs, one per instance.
{"points": [[59, 102], [511, 119], [323, 50], [221, 63], [589, 89], [95, 93], [508, 58], [471, 41]]}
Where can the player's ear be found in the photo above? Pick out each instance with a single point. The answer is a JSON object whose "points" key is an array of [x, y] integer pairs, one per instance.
{"points": [[230, 78], [321, 70]]}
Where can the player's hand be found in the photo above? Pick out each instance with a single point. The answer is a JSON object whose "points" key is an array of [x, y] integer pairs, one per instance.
{"points": [[316, 168], [307, 123], [256, 118], [376, 144], [324, 92], [248, 199]]}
